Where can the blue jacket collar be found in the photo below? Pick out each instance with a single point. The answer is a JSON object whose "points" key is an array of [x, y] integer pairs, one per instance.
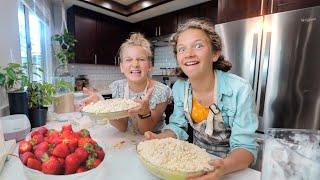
{"points": [[223, 87]]}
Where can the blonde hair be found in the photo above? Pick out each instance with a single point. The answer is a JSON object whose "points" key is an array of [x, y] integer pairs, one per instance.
{"points": [[208, 28], [136, 39]]}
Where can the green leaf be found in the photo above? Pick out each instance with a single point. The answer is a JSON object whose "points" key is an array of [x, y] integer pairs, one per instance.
{"points": [[2, 80]]}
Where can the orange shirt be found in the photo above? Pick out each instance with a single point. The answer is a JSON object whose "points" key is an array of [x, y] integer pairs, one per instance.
{"points": [[199, 112]]}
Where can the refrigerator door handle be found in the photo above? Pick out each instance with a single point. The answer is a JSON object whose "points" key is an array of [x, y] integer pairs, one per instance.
{"points": [[264, 73], [253, 58]]}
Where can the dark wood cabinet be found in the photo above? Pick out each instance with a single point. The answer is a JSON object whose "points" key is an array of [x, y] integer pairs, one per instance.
{"points": [[231, 10], [84, 28], [111, 34], [98, 36], [206, 10], [168, 23], [275, 6], [158, 26]]}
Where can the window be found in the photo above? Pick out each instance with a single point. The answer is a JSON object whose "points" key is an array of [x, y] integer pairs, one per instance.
{"points": [[33, 38]]}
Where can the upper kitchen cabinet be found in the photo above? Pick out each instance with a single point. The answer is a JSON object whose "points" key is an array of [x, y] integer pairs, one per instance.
{"points": [[275, 6], [98, 36], [231, 10], [168, 23], [110, 34], [83, 26], [158, 26], [205, 10]]}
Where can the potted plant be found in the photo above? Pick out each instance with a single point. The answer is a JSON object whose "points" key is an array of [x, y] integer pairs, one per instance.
{"points": [[14, 79], [41, 95], [64, 52]]}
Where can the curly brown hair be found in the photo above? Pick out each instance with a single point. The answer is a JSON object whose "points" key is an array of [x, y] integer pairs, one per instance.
{"points": [[206, 26]]}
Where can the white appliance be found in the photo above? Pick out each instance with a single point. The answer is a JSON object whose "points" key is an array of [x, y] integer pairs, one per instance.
{"points": [[15, 126]]}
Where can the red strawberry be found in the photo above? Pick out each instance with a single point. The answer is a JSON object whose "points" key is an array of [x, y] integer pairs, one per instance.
{"points": [[24, 146], [42, 130], [44, 146], [92, 162], [61, 161], [37, 138], [72, 144], [41, 154], [34, 164], [52, 133], [72, 163], [81, 169], [99, 152], [34, 133], [84, 133], [51, 166], [85, 140], [82, 154], [66, 127], [25, 156], [67, 134], [61, 150]]}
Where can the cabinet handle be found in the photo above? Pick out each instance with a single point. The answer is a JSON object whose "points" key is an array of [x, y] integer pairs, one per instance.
{"points": [[156, 31], [95, 59], [159, 30]]}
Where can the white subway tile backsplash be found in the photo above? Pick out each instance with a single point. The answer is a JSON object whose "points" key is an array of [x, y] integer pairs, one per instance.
{"points": [[100, 76], [163, 58]]}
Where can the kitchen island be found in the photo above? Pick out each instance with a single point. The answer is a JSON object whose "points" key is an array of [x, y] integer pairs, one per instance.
{"points": [[121, 163]]}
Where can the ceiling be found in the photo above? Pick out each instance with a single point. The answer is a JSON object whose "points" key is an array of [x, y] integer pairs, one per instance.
{"points": [[165, 6], [126, 2]]}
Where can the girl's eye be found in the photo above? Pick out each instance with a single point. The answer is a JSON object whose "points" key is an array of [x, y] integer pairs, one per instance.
{"points": [[128, 60], [198, 45], [141, 59], [181, 49]]}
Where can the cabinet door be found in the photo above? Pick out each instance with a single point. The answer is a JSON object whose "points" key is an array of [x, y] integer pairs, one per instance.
{"points": [[85, 34], [148, 27], [166, 24], [288, 5], [209, 10], [187, 13], [231, 10], [112, 34]]}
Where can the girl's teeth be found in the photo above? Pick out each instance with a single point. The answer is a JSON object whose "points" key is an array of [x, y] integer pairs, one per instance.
{"points": [[191, 63]]}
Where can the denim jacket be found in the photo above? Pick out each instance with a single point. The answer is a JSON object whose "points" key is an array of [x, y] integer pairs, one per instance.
{"points": [[235, 100]]}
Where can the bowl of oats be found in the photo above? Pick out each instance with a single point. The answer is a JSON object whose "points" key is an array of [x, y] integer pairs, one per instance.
{"points": [[109, 109], [171, 158]]}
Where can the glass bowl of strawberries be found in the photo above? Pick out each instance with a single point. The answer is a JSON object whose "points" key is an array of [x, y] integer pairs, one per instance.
{"points": [[66, 154]]}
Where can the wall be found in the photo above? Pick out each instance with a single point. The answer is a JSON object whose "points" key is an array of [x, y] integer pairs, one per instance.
{"points": [[163, 58], [100, 76], [9, 41]]}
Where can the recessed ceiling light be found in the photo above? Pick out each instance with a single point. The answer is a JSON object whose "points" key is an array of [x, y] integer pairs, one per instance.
{"points": [[146, 4]]}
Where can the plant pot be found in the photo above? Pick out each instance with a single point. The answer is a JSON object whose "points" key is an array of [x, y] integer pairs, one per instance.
{"points": [[18, 102], [38, 116]]}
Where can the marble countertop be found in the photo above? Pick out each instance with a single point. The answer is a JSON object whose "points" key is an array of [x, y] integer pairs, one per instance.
{"points": [[122, 161]]}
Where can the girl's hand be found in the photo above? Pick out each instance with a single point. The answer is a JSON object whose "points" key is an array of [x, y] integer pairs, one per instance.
{"points": [[219, 171], [144, 108], [92, 98], [150, 135]]}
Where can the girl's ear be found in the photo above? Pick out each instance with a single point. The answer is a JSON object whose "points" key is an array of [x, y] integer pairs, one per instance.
{"points": [[215, 56]]}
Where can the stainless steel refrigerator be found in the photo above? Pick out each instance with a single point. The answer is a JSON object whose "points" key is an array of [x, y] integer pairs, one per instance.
{"points": [[279, 54]]}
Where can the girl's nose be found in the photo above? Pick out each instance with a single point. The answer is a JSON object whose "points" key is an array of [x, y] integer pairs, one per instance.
{"points": [[189, 52], [135, 63]]}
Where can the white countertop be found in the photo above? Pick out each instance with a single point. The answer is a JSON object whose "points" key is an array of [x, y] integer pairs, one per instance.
{"points": [[121, 163]]}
